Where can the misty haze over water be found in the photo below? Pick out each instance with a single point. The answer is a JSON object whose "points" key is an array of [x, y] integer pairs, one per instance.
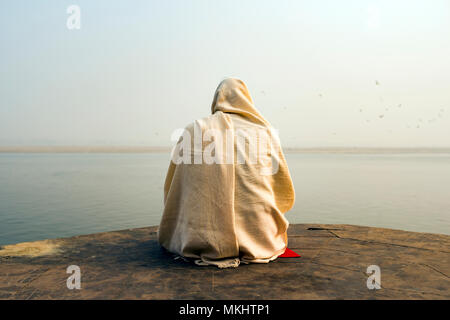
{"points": [[49, 195]]}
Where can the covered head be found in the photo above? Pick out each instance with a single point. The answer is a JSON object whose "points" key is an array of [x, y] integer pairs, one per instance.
{"points": [[232, 96]]}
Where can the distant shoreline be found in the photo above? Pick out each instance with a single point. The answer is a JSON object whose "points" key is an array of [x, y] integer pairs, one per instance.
{"points": [[147, 149], [83, 149]]}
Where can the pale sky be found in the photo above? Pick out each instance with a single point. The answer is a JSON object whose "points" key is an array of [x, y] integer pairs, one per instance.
{"points": [[324, 73]]}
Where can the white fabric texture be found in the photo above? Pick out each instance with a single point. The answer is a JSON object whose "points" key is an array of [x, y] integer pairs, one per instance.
{"points": [[226, 213]]}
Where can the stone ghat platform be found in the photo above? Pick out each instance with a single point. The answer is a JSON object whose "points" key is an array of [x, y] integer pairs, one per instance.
{"points": [[129, 264]]}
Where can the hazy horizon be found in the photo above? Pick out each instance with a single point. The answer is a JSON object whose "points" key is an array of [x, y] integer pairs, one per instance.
{"points": [[167, 149], [327, 74]]}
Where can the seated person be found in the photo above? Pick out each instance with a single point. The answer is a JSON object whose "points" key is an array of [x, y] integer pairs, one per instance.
{"points": [[228, 186]]}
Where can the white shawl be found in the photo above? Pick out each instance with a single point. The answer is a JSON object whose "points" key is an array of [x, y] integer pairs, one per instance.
{"points": [[228, 211]]}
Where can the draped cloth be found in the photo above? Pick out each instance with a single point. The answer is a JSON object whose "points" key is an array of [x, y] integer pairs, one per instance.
{"points": [[221, 206]]}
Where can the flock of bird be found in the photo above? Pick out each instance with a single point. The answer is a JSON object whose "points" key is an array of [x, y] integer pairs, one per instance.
{"points": [[420, 122]]}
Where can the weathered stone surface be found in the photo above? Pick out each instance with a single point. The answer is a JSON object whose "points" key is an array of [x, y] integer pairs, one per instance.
{"points": [[129, 264]]}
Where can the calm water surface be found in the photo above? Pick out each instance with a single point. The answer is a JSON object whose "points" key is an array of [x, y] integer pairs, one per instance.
{"points": [[58, 195]]}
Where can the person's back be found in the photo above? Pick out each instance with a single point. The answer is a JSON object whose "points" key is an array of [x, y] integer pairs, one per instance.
{"points": [[267, 237], [225, 196]]}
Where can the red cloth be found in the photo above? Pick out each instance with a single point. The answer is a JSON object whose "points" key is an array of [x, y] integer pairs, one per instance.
{"points": [[288, 253]]}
